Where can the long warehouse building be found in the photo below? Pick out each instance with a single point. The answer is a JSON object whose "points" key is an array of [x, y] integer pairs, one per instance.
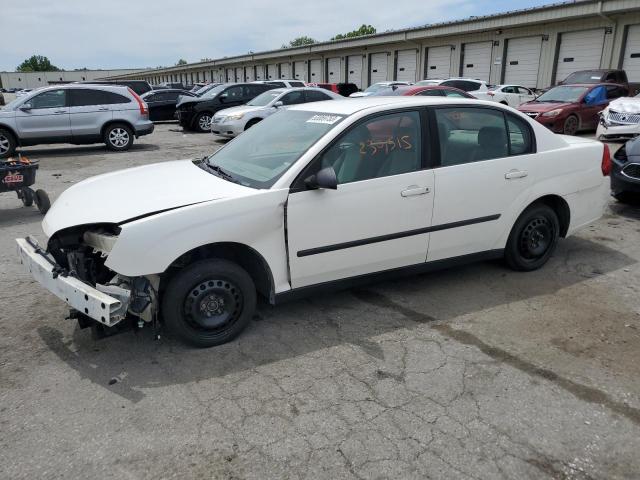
{"points": [[536, 47]]}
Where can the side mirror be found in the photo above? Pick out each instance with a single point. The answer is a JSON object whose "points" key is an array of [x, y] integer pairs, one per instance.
{"points": [[223, 97], [26, 106], [278, 104], [325, 178]]}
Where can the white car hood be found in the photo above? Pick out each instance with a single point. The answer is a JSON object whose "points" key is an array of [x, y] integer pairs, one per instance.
{"points": [[126, 194], [625, 105]]}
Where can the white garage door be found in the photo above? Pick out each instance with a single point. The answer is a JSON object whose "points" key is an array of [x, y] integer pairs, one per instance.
{"points": [[523, 61], [230, 75], [579, 51], [250, 73], [439, 62], [406, 66], [354, 70], [631, 62], [300, 71], [378, 67], [316, 71], [284, 71], [477, 60], [272, 72], [259, 72], [333, 70], [240, 74]]}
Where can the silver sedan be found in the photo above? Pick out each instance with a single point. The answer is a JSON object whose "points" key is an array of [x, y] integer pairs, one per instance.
{"points": [[235, 120]]}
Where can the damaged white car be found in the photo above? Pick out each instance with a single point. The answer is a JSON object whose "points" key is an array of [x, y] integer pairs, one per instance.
{"points": [[620, 120], [322, 195]]}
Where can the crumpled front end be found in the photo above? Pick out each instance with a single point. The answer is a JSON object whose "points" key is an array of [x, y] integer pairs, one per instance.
{"points": [[620, 120]]}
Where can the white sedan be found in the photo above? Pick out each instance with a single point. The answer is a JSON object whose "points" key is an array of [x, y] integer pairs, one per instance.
{"points": [[321, 195], [512, 95]]}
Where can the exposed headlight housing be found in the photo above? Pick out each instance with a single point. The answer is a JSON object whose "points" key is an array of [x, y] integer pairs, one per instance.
{"points": [[552, 113]]}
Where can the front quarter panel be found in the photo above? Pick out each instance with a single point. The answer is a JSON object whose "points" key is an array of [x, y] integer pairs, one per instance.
{"points": [[149, 245]]}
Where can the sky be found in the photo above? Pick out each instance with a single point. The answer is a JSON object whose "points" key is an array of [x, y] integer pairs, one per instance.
{"points": [[142, 33]]}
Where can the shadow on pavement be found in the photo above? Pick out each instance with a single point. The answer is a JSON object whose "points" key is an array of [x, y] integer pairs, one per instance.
{"points": [[137, 362]]}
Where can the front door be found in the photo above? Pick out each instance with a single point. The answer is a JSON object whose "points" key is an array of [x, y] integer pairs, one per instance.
{"points": [[47, 117], [378, 217], [487, 165]]}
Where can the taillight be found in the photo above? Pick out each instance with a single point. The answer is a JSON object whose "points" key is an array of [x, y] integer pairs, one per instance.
{"points": [[606, 161], [491, 94], [144, 110]]}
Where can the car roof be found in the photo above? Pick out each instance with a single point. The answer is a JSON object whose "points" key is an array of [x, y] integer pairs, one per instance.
{"points": [[349, 106]]}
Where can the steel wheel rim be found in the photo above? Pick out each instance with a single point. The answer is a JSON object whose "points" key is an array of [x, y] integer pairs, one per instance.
{"points": [[4, 144], [205, 122], [118, 137], [536, 238], [213, 305], [571, 125]]}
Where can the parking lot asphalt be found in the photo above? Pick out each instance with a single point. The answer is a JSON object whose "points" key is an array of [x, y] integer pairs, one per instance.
{"points": [[476, 372]]}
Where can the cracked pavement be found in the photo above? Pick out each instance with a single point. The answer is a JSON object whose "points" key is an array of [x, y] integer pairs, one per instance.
{"points": [[476, 372]]}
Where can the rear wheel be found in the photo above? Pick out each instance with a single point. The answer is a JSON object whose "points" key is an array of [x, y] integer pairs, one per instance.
{"points": [[533, 238], [7, 143], [203, 122], [26, 195], [570, 125], [118, 137], [209, 302]]}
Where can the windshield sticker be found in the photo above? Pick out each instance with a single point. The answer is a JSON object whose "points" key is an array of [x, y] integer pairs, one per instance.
{"points": [[327, 119]]}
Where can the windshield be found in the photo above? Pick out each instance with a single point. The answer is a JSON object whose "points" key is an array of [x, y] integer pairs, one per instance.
{"points": [[566, 94], [423, 83], [213, 92], [261, 155], [265, 98], [584, 77]]}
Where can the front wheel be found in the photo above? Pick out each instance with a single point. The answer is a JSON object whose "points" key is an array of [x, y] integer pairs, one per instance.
{"points": [[203, 122], [570, 125], [533, 238], [209, 302], [118, 137], [7, 143]]}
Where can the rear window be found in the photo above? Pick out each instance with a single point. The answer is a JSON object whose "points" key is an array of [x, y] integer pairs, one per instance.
{"points": [[588, 76]]}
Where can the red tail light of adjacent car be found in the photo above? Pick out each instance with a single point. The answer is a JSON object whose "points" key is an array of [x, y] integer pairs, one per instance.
{"points": [[606, 161], [144, 110]]}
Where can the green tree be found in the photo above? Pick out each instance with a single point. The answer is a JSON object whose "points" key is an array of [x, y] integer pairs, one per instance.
{"points": [[182, 61], [363, 30], [37, 63], [300, 41]]}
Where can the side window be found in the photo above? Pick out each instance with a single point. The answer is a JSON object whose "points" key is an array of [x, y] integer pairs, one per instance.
{"points": [[315, 96], [610, 77], [509, 89], [470, 86], [293, 98], [430, 93], [296, 84], [382, 146], [470, 134], [614, 91], [50, 99], [84, 97], [520, 136], [524, 91], [150, 98], [596, 96], [172, 96], [234, 93]]}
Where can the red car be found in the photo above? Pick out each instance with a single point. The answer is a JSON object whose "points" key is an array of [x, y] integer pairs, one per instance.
{"points": [[429, 90], [570, 108]]}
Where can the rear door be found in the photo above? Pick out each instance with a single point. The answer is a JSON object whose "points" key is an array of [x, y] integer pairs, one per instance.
{"points": [[48, 117], [485, 170], [89, 111]]}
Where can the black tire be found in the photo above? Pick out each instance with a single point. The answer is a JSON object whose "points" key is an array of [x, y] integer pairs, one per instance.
{"points": [[209, 302], [26, 195], [202, 122], [8, 143], [251, 123], [571, 125], [42, 201], [533, 238], [118, 137]]}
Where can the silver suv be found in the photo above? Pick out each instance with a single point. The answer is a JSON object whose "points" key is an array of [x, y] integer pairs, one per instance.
{"points": [[78, 114]]}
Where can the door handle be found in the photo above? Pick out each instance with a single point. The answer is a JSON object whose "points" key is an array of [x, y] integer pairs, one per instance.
{"points": [[414, 190], [103, 109], [515, 174], [59, 111]]}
